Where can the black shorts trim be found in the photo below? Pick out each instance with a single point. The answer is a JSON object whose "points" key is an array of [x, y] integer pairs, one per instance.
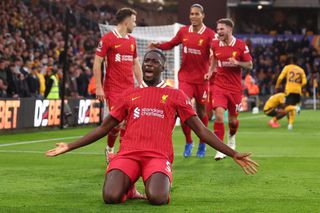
{"points": [[270, 112], [293, 99]]}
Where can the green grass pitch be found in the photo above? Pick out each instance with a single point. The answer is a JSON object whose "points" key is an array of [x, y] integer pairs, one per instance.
{"points": [[288, 179]]}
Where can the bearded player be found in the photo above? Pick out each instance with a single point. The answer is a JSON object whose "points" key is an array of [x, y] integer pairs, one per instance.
{"points": [[230, 57], [118, 50]]}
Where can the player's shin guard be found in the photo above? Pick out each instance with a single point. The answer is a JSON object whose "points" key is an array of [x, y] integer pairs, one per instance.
{"points": [[187, 133], [205, 122], [219, 130], [112, 137], [233, 127]]}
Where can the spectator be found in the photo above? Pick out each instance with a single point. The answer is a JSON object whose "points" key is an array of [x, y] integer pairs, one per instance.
{"points": [[3, 89]]}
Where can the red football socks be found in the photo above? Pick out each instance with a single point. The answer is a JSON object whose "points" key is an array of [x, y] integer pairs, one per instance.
{"points": [[219, 130], [187, 133]]}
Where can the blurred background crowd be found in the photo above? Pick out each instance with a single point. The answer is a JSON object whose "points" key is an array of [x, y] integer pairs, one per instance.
{"points": [[32, 44]]}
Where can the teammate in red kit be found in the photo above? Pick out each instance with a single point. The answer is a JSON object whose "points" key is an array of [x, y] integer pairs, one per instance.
{"points": [[196, 41], [146, 148], [230, 56], [118, 50]]}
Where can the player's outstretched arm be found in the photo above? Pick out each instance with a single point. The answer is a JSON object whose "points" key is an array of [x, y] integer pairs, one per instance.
{"points": [[153, 45], [243, 159], [97, 75], [108, 123]]}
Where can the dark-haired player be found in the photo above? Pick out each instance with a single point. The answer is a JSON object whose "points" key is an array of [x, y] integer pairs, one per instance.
{"points": [[118, 50], [196, 41], [146, 147], [295, 80]]}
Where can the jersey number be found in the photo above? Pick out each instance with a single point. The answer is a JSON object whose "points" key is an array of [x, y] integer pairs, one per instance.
{"points": [[295, 77]]}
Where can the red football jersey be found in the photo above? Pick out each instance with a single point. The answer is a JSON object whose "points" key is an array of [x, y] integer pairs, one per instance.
{"points": [[228, 76], [120, 53], [151, 114], [195, 52]]}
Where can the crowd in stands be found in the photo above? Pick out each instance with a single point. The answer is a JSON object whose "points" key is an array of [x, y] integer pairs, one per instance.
{"points": [[270, 60], [32, 43]]}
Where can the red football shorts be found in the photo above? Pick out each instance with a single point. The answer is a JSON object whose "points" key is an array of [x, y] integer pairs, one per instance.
{"points": [[197, 91], [227, 99], [140, 163], [112, 99]]}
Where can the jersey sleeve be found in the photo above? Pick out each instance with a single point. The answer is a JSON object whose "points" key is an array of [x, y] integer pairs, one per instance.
{"points": [[246, 54], [103, 47], [281, 76], [184, 107], [172, 43], [135, 55]]}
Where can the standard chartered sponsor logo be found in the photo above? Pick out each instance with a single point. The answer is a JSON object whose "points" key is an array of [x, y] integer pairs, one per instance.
{"points": [[191, 51], [136, 113], [225, 64], [152, 112], [119, 57], [147, 112]]}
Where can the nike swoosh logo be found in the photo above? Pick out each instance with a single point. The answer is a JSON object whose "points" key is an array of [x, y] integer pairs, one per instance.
{"points": [[117, 46], [134, 98]]}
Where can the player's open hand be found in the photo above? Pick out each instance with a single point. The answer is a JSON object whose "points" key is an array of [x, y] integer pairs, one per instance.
{"points": [[207, 76], [100, 94], [247, 165], [61, 148], [153, 45]]}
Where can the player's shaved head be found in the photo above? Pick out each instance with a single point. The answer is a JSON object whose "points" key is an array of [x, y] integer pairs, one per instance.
{"points": [[160, 53], [198, 6], [152, 66]]}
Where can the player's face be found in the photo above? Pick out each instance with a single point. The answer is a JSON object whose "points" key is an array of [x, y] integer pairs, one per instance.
{"points": [[131, 23], [196, 16], [223, 31], [152, 67]]}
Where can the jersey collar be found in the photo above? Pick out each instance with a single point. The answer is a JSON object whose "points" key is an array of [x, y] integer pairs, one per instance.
{"points": [[118, 35], [232, 43], [162, 84], [203, 28]]}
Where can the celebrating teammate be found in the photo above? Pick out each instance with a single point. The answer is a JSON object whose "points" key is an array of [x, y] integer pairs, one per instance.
{"points": [[296, 79], [230, 56], [119, 51], [146, 148], [196, 41]]}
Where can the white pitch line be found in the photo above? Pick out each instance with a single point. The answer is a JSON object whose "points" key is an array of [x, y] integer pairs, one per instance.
{"points": [[38, 141], [178, 155], [43, 152], [252, 117]]}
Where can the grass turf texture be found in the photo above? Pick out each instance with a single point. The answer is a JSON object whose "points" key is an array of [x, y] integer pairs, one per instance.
{"points": [[287, 181]]}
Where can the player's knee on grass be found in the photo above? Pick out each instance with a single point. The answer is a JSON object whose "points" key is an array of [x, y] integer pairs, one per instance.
{"points": [[158, 189], [116, 185]]}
